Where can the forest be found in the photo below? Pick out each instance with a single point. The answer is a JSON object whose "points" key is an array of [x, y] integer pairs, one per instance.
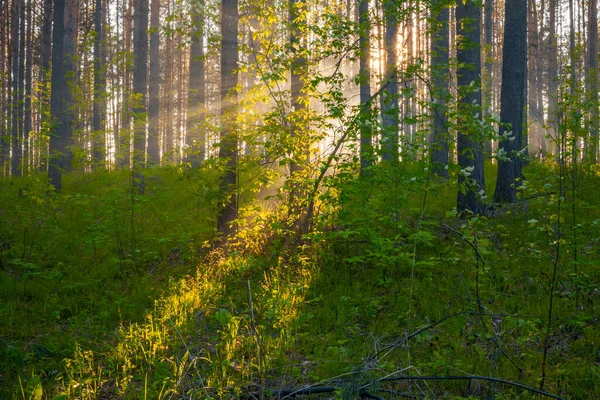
{"points": [[299, 199]]}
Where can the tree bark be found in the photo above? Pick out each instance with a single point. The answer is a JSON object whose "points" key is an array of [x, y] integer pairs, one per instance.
{"points": [[366, 142], [440, 75], [297, 70], [513, 100], [469, 143], [125, 136], [98, 142], [140, 71], [28, 84], [592, 79], [229, 142], [389, 98], [552, 72], [15, 150], [154, 86], [64, 55]]}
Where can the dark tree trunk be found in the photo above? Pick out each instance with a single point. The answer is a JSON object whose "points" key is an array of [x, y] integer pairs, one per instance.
{"points": [[228, 146], [513, 100], [469, 143], [366, 142], [98, 142], [298, 68], [15, 150], [440, 76], [592, 78], [28, 84], [552, 72], [140, 72], [154, 86], [125, 136], [540, 79], [389, 98], [64, 53], [195, 139], [4, 68], [18, 155]]}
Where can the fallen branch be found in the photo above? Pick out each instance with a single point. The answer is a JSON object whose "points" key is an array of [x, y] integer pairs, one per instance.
{"points": [[469, 378]]}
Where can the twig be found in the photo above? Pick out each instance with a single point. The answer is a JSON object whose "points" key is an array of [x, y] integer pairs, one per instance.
{"points": [[193, 357], [253, 327], [472, 377], [478, 259]]}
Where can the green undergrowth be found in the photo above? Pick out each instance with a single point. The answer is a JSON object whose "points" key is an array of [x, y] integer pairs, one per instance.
{"points": [[388, 257]]}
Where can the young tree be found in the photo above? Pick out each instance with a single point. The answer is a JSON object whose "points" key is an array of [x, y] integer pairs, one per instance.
{"points": [[154, 87], [389, 98], [513, 101], [64, 55], [470, 150], [440, 75], [228, 144], [195, 139]]}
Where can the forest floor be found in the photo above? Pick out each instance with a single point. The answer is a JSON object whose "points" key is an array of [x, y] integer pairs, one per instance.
{"points": [[106, 293]]}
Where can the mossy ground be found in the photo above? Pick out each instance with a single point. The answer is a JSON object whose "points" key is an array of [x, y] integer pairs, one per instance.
{"points": [[92, 308]]}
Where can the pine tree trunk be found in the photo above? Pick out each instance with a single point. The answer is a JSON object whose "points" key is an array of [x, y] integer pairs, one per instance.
{"points": [[64, 53], [28, 84], [140, 71], [552, 73], [592, 79], [195, 138], [297, 70], [98, 142], [125, 137], [154, 86], [15, 150], [366, 143], [229, 143], [389, 98], [440, 75], [513, 100], [541, 135], [469, 145]]}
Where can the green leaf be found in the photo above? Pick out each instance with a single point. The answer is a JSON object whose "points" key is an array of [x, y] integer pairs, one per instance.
{"points": [[34, 390], [223, 316]]}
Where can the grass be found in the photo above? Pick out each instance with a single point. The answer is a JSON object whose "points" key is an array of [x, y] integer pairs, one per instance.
{"points": [[89, 312]]}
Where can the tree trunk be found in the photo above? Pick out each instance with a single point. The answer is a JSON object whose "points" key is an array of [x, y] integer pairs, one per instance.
{"points": [[541, 135], [154, 86], [389, 98], [140, 71], [228, 145], [15, 150], [440, 75], [592, 78], [469, 145], [125, 137], [513, 100], [98, 142], [28, 84], [552, 73], [297, 70], [195, 139], [366, 143], [64, 53]]}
